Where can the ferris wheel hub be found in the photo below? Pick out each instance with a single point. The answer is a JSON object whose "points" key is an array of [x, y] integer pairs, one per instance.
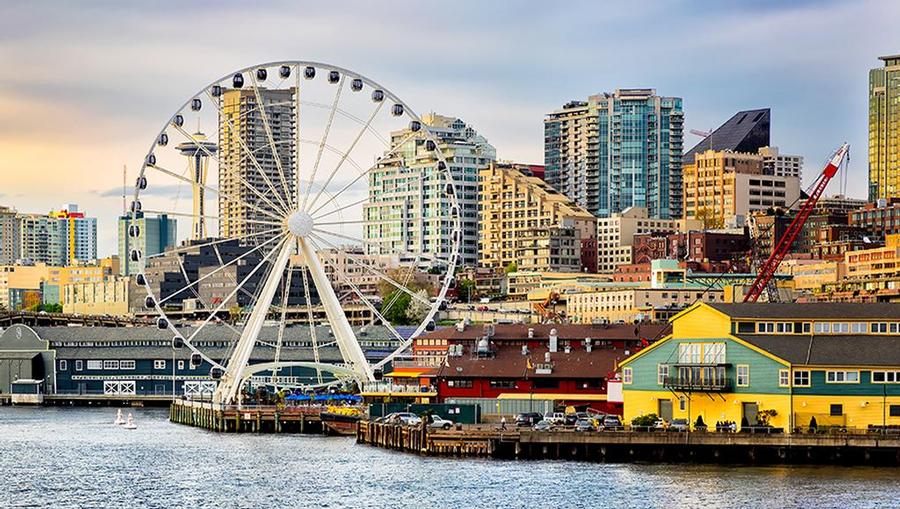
{"points": [[300, 223]]}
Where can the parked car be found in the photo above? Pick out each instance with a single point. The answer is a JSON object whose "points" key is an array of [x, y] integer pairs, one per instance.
{"points": [[405, 418], [528, 419], [438, 422], [571, 419], [660, 425], [543, 425], [679, 425], [557, 418], [585, 425], [612, 423]]}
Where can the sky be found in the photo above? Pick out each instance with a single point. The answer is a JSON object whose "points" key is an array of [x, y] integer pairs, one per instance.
{"points": [[87, 85]]}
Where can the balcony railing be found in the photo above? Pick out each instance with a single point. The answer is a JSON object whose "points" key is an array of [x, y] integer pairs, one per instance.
{"points": [[698, 378]]}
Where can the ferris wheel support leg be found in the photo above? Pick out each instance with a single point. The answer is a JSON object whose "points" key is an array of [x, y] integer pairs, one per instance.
{"points": [[343, 334], [228, 387]]}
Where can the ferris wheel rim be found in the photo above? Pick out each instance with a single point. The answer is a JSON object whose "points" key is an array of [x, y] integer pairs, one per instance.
{"points": [[455, 242]]}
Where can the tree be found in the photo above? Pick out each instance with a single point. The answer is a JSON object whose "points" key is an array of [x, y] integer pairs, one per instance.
{"points": [[409, 277], [466, 289], [394, 306], [512, 267], [417, 309], [709, 219]]}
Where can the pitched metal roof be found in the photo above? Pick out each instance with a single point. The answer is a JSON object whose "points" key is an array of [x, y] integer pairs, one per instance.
{"points": [[828, 350], [542, 332], [508, 362], [812, 310]]}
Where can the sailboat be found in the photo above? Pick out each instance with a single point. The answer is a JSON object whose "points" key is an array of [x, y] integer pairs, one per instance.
{"points": [[130, 423], [119, 419]]}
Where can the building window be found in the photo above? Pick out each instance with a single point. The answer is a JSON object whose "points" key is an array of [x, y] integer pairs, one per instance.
{"points": [[784, 379], [743, 375], [822, 328], [836, 410], [859, 327], [682, 403], [126, 364], [840, 327], [63, 365], [894, 410], [842, 377], [460, 384], [662, 372], [542, 383], [110, 364], [79, 365], [180, 364], [627, 375], [159, 364], [885, 377], [95, 365], [801, 378]]}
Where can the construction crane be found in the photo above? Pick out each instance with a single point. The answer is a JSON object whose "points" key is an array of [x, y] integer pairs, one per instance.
{"points": [[790, 235]]}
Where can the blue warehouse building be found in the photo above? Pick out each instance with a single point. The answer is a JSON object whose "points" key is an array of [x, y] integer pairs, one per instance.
{"points": [[140, 361]]}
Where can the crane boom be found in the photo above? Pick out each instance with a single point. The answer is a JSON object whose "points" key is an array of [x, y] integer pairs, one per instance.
{"points": [[790, 235]]}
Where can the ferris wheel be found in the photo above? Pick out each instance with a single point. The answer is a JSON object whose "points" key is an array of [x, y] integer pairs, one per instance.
{"points": [[314, 197]]}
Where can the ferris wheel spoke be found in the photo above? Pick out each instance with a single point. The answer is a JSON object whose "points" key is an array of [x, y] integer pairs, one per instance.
{"points": [[221, 219], [240, 139], [377, 272], [234, 292], [347, 153], [193, 247], [273, 148], [223, 194], [355, 289], [334, 107], [297, 137], [337, 223], [231, 169], [341, 209], [221, 267], [284, 306], [425, 256], [389, 153], [310, 320]]}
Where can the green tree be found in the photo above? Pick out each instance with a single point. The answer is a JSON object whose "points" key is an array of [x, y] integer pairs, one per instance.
{"points": [[512, 267], [394, 307], [466, 289], [418, 308], [709, 219]]}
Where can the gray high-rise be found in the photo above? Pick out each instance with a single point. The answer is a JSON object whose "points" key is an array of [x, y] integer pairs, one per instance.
{"points": [[618, 150]]}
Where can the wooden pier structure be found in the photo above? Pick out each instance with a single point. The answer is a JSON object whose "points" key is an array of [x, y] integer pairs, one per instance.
{"points": [[631, 446], [247, 419]]}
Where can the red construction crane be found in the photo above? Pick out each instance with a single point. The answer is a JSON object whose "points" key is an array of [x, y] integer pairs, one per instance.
{"points": [[790, 235]]}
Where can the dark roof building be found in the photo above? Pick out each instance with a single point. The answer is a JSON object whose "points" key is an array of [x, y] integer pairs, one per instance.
{"points": [[747, 131], [811, 311]]}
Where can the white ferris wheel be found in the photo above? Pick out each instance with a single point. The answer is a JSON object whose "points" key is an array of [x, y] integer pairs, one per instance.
{"points": [[288, 175]]}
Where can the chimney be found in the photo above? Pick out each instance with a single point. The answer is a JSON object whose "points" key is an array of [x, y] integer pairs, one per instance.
{"points": [[524, 349], [547, 357], [588, 344], [531, 333], [460, 326], [568, 349], [554, 341]]}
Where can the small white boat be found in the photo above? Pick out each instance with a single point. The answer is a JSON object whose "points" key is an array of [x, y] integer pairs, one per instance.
{"points": [[119, 419], [130, 423]]}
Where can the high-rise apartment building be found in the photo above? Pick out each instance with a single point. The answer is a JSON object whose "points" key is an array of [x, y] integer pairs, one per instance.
{"points": [[781, 165], [242, 129], [78, 234], [884, 129], [617, 150], [9, 236], [154, 235], [408, 211], [722, 188], [41, 239], [523, 217]]}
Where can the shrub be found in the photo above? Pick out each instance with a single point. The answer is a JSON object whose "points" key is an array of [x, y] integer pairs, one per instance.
{"points": [[645, 420]]}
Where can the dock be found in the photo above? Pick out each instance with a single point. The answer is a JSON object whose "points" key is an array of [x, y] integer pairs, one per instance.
{"points": [[247, 419], [635, 446]]}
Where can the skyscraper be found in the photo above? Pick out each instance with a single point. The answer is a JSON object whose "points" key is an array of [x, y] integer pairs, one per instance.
{"points": [[242, 132], [617, 150], [9, 236], [155, 234], [884, 129], [78, 234], [408, 210], [747, 131], [41, 239]]}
